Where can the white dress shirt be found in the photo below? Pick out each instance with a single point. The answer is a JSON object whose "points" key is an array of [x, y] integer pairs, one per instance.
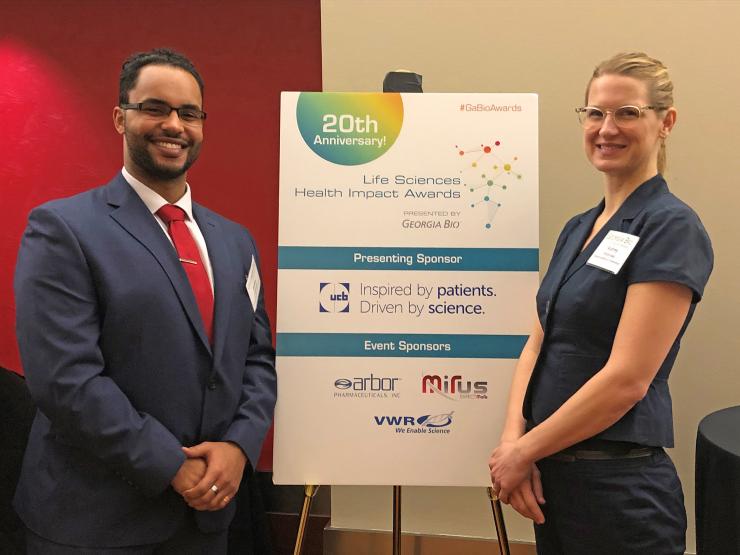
{"points": [[154, 202]]}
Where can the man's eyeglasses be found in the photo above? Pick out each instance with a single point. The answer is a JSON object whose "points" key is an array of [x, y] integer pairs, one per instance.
{"points": [[592, 117], [189, 115]]}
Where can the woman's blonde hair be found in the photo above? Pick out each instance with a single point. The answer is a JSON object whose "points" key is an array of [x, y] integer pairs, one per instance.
{"points": [[650, 71]]}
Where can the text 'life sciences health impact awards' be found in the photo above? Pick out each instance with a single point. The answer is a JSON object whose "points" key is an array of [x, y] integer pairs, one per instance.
{"points": [[407, 269]]}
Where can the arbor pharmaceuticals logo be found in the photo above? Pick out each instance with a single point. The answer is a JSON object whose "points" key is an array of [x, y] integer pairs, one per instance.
{"points": [[367, 387], [334, 297], [426, 424]]}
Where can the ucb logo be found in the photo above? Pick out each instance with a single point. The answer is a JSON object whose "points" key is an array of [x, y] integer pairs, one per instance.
{"points": [[334, 297]]}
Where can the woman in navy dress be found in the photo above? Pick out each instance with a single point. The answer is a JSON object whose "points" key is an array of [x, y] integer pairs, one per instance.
{"points": [[589, 411]]}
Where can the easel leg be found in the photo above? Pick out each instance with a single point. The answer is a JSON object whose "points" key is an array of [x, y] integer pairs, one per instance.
{"points": [[396, 520], [498, 519], [308, 494]]}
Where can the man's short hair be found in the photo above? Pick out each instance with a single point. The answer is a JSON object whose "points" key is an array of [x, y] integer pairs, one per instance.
{"points": [[159, 56]]}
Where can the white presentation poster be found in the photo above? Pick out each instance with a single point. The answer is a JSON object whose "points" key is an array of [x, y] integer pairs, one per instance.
{"points": [[407, 269]]}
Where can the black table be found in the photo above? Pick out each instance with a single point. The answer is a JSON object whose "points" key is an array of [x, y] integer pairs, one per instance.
{"points": [[718, 483]]}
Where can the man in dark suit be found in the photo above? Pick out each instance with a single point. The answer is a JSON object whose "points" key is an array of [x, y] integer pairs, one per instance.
{"points": [[145, 343]]}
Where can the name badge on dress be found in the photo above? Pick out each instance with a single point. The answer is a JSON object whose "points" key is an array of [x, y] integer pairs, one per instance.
{"points": [[253, 284], [613, 251]]}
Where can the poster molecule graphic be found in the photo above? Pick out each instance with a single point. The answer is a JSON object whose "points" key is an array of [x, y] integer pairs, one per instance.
{"points": [[487, 174]]}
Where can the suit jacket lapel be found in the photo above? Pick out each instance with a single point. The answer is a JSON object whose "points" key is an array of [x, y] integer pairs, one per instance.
{"points": [[584, 230], [636, 202], [133, 215], [222, 268], [631, 207], [572, 257]]}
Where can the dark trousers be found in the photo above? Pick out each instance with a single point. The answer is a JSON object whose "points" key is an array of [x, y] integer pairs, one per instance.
{"points": [[612, 507], [187, 540]]}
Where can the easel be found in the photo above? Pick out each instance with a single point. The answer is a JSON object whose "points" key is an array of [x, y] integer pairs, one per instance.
{"points": [[309, 492], [498, 520]]}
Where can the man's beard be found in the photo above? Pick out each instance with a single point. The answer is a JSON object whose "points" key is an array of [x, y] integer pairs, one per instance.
{"points": [[139, 154]]}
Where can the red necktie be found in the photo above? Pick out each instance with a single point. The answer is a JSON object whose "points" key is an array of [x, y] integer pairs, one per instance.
{"points": [[187, 250]]}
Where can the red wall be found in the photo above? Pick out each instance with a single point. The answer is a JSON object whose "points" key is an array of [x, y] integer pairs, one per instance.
{"points": [[59, 65]]}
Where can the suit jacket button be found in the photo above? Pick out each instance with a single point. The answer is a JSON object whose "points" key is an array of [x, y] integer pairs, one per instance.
{"points": [[212, 384]]}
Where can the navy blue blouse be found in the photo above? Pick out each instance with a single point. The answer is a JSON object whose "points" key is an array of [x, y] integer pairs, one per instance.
{"points": [[579, 306]]}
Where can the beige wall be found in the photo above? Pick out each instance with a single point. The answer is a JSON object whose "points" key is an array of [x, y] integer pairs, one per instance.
{"points": [[550, 48]]}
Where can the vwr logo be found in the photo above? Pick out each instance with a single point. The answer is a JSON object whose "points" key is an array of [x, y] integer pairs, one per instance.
{"points": [[334, 297], [454, 388], [427, 424]]}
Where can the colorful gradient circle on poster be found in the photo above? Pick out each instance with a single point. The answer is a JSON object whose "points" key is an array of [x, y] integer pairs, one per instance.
{"points": [[349, 129]]}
